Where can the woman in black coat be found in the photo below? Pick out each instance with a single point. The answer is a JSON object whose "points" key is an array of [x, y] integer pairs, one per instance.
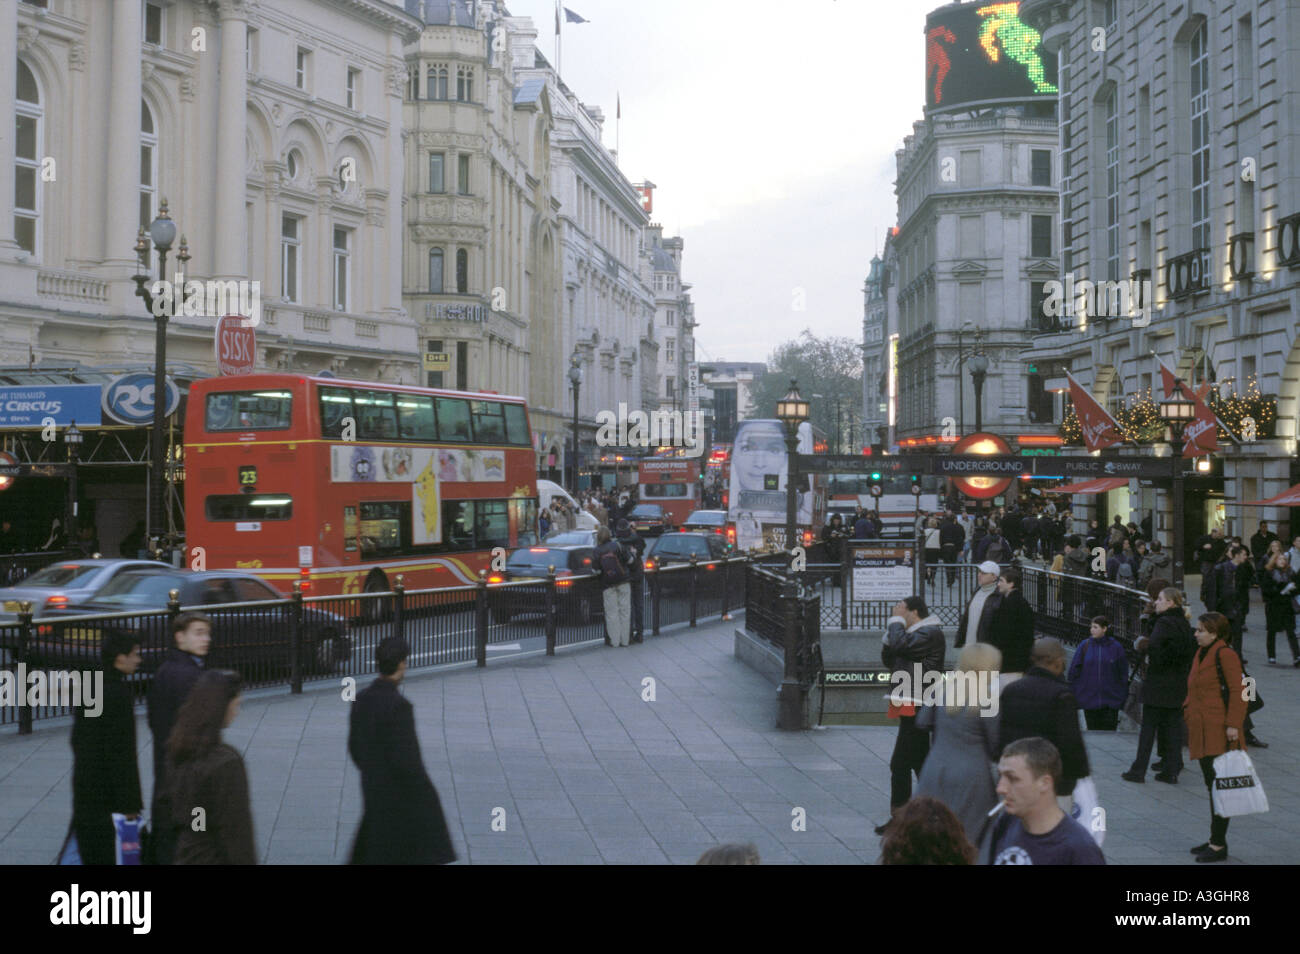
{"points": [[1278, 585], [1169, 658], [203, 772], [105, 776]]}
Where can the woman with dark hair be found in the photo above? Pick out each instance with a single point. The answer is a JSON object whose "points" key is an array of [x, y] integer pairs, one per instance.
{"points": [[1277, 583], [926, 832], [1169, 652], [1215, 712], [204, 774]]}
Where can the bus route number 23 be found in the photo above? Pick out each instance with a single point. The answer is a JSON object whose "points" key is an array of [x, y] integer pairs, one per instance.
{"points": [[248, 476]]}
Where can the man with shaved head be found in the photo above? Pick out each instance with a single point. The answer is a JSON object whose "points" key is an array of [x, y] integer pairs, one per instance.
{"points": [[1040, 704]]}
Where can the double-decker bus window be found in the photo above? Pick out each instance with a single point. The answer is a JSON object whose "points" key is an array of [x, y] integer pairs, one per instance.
{"points": [[517, 426], [666, 490], [489, 422], [248, 411], [376, 416], [524, 515], [385, 527], [248, 508], [491, 524], [458, 525], [335, 405], [453, 420], [415, 417]]}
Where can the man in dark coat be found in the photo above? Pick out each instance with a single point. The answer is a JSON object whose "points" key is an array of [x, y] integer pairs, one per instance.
{"points": [[402, 821], [1012, 629], [913, 643], [633, 543], [181, 668], [1041, 704], [1209, 551], [977, 617], [1260, 540], [1227, 591], [105, 777]]}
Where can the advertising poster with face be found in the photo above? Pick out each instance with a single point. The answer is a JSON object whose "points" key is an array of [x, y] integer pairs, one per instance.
{"points": [[758, 476]]}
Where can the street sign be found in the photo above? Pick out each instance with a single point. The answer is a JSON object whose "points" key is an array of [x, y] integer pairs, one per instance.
{"points": [[29, 407], [235, 344], [9, 469], [128, 399]]}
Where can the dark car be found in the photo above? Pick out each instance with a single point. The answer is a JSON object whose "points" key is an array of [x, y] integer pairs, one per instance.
{"points": [[679, 547], [577, 591], [649, 520], [244, 637], [712, 521]]}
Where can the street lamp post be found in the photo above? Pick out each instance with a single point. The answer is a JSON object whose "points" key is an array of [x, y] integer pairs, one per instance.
{"points": [[791, 410], [1177, 413], [72, 438], [575, 379], [162, 231], [979, 366]]}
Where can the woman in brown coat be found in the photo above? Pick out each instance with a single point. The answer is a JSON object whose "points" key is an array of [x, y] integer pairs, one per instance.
{"points": [[1215, 711]]}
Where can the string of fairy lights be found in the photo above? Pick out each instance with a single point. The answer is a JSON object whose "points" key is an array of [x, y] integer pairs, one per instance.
{"points": [[1139, 417]]}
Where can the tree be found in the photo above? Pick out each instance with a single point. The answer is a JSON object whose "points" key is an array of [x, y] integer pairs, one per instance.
{"points": [[831, 367]]}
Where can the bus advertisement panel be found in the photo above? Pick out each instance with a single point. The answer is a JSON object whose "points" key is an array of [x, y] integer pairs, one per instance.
{"points": [[674, 484], [757, 494], [344, 484]]}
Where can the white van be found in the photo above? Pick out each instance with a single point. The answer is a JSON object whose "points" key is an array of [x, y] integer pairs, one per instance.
{"points": [[548, 490]]}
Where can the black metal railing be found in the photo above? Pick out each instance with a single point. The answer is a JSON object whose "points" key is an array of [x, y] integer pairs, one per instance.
{"points": [[303, 639], [16, 567]]}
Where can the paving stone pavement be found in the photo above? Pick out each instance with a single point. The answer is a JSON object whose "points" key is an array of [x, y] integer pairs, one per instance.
{"points": [[583, 771]]}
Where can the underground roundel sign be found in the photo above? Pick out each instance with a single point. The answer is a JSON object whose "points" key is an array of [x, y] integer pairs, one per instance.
{"points": [[981, 488], [235, 346]]}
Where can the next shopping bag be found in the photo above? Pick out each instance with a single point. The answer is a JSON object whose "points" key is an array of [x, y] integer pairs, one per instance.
{"points": [[1237, 790]]}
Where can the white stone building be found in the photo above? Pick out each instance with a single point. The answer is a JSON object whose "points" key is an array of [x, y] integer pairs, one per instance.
{"points": [[1178, 137]]}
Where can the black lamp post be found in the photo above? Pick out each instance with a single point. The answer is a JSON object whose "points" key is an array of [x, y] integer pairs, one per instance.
{"points": [[162, 231], [979, 367], [72, 438], [1177, 413], [575, 379], [791, 410]]}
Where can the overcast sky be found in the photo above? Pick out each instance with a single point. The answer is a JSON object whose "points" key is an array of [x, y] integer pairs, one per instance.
{"points": [[769, 129]]}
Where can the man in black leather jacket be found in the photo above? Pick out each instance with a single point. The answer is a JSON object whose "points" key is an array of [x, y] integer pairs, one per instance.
{"points": [[1041, 704], [913, 645]]}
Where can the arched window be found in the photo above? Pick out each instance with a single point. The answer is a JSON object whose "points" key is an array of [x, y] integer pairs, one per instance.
{"points": [[27, 159], [462, 271], [436, 85], [148, 164], [435, 271]]}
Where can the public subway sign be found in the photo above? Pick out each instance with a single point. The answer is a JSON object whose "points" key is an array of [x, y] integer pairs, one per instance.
{"points": [[29, 407], [235, 344]]}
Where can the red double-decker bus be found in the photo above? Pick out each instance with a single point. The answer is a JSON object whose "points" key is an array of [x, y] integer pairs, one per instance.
{"points": [[673, 483], [344, 484]]}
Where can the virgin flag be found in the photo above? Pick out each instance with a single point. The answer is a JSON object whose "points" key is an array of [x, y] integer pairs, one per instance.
{"points": [[1099, 428], [1201, 436]]}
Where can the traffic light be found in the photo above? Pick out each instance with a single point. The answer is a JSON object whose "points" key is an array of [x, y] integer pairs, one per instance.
{"points": [[874, 486], [916, 485]]}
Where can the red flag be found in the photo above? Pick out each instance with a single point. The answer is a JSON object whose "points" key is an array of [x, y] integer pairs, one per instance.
{"points": [[1099, 428], [1172, 382]]}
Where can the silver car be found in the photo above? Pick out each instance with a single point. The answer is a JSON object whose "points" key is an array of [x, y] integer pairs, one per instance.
{"points": [[62, 584]]}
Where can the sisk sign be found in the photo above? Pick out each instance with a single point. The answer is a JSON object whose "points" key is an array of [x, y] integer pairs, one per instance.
{"points": [[28, 407], [129, 398]]}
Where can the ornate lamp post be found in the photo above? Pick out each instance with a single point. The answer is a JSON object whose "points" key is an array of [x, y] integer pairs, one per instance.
{"points": [[575, 379], [162, 231], [979, 366], [72, 438], [1177, 413], [791, 410]]}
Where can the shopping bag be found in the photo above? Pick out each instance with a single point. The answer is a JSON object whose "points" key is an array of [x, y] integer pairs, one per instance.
{"points": [[128, 838], [1237, 789], [1087, 812]]}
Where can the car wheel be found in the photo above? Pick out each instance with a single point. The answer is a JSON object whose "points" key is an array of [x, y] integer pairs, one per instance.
{"points": [[375, 610], [330, 650]]}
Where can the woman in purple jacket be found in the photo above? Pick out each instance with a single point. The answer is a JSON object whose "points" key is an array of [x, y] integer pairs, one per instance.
{"points": [[1099, 676]]}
